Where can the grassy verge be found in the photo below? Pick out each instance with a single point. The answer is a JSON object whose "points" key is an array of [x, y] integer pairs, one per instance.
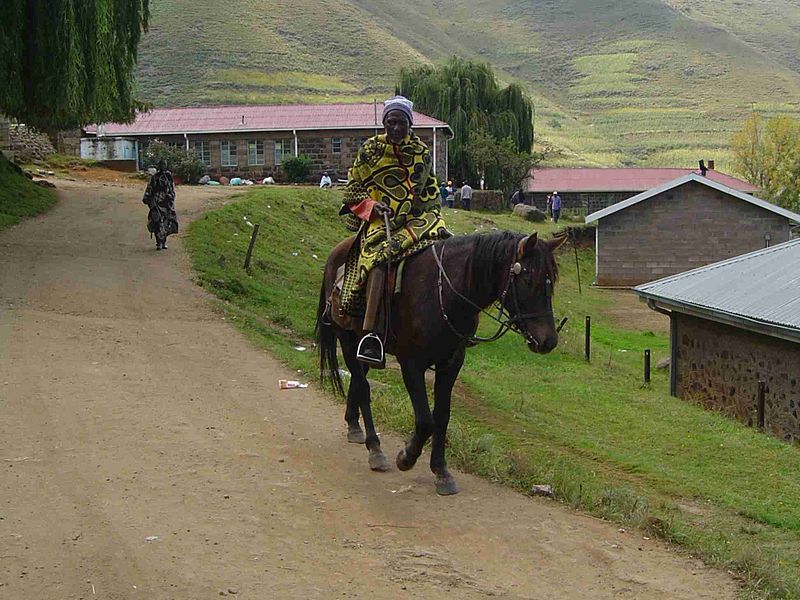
{"points": [[606, 443], [19, 196]]}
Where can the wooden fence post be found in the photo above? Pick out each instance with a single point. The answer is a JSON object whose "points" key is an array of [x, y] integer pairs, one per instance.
{"points": [[588, 341], [762, 389], [647, 366], [250, 248]]}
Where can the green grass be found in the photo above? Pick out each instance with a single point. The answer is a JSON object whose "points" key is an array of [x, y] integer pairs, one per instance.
{"points": [[608, 444], [20, 197]]}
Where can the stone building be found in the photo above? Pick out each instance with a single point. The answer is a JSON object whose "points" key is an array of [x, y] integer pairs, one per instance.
{"points": [[251, 141], [596, 189], [683, 224], [732, 324]]}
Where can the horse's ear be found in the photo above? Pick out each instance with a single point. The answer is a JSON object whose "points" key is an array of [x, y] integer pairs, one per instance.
{"points": [[527, 245], [556, 242]]}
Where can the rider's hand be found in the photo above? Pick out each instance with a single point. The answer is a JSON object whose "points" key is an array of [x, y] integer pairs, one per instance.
{"points": [[380, 209]]}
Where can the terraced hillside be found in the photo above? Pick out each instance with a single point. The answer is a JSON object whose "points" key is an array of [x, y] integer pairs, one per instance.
{"points": [[647, 82]]}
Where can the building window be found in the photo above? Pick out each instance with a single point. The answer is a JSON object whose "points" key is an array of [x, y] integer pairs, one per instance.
{"points": [[203, 150], [228, 152], [336, 145], [255, 152], [282, 148]]}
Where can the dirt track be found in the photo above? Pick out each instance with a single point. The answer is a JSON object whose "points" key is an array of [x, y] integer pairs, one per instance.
{"points": [[129, 408]]}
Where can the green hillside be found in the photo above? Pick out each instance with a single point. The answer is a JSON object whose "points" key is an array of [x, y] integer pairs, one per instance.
{"points": [[648, 82]]}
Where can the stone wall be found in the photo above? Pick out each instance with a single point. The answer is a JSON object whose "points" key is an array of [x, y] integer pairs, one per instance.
{"points": [[719, 366], [680, 229], [28, 144], [590, 201], [5, 135], [69, 142]]}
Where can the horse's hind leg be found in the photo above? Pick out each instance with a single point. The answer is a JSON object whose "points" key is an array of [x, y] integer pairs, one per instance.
{"points": [[359, 395], [414, 378], [446, 374]]}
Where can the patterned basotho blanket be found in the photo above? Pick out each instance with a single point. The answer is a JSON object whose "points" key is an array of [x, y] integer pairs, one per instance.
{"points": [[400, 177]]}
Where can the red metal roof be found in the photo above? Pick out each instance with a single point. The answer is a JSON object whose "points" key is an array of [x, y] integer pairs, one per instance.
{"points": [[620, 180], [283, 117]]}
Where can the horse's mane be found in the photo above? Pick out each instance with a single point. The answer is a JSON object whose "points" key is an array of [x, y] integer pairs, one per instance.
{"points": [[492, 249]]}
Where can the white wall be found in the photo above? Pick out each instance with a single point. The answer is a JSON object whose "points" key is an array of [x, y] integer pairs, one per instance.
{"points": [[108, 149]]}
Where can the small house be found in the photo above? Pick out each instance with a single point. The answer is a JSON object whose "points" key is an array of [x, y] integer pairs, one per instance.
{"points": [[734, 324], [681, 225]]}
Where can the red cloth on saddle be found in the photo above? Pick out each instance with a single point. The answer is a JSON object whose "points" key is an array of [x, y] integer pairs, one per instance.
{"points": [[363, 210]]}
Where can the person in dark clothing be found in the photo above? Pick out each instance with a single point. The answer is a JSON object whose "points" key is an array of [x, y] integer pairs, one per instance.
{"points": [[162, 220], [443, 193]]}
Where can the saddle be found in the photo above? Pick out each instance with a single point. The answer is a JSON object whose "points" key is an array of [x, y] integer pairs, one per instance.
{"points": [[351, 322]]}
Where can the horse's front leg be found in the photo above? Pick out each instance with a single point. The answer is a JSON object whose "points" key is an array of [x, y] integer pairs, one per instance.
{"points": [[414, 378], [446, 374], [359, 394]]}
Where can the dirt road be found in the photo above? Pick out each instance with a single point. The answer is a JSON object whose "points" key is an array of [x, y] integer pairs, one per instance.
{"points": [[145, 452]]}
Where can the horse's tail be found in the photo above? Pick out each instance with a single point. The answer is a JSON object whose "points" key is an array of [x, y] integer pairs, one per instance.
{"points": [[326, 345]]}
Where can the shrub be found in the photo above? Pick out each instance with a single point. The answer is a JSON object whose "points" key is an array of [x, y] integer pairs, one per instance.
{"points": [[186, 165], [296, 168]]}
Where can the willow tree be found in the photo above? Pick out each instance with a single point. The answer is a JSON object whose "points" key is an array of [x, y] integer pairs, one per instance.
{"points": [[66, 63], [466, 95]]}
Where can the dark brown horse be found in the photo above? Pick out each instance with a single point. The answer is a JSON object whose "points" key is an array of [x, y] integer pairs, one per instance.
{"points": [[433, 320]]}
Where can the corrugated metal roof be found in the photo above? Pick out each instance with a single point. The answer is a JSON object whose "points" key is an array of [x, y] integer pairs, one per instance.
{"points": [[610, 210], [218, 119], [759, 287], [619, 180]]}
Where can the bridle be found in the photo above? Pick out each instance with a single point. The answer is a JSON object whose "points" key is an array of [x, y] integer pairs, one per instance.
{"points": [[506, 320]]}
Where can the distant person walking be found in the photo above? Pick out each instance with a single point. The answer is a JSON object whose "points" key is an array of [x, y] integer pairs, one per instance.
{"points": [[466, 196], [162, 220], [555, 206], [516, 198]]}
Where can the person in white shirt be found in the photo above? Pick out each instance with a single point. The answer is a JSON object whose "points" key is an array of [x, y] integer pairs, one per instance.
{"points": [[466, 196], [325, 182]]}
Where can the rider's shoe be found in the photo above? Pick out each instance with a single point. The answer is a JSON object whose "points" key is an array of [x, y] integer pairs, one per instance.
{"points": [[370, 351]]}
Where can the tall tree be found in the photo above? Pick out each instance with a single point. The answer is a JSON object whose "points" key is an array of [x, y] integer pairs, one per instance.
{"points": [[467, 96], [66, 63], [767, 154]]}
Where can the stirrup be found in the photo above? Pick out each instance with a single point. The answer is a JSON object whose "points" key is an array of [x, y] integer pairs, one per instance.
{"points": [[378, 363]]}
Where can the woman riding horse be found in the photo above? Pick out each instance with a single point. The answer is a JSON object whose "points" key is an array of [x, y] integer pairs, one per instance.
{"points": [[445, 287], [391, 177]]}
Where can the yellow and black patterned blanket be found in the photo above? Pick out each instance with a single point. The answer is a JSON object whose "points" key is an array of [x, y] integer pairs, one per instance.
{"points": [[399, 175]]}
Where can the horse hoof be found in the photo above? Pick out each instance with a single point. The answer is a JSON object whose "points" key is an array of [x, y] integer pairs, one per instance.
{"points": [[356, 436], [403, 462], [378, 461], [446, 486]]}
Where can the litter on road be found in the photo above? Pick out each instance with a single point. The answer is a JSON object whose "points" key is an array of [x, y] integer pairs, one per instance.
{"points": [[290, 384]]}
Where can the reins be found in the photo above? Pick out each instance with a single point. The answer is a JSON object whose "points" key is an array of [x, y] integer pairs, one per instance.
{"points": [[506, 321]]}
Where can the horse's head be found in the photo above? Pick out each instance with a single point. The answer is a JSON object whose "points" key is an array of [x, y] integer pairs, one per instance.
{"points": [[529, 295]]}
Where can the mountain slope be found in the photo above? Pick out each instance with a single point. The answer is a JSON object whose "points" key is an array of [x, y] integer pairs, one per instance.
{"points": [[657, 82]]}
